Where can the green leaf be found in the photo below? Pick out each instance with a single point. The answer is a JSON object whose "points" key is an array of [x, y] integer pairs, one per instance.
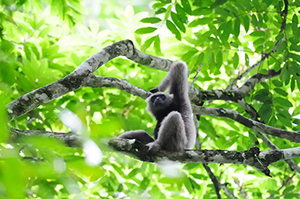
{"points": [[151, 20], [235, 60], [258, 33], [222, 12], [285, 74], [246, 23], [295, 57], [166, 1], [202, 11], [173, 30], [236, 30], [234, 44], [208, 128], [145, 30], [227, 31], [177, 21], [44, 31], [297, 112], [188, 185], [282, 102], [219, 59], [168, 12], [254, 20], [160, 11], [133, 173], [217, 3], [281, 92], [7, 73], [202, 21], [157, 46], [259, 41], [295, 47], [181, 13], [145, 183], [186, 6], [284, 112], [277, 83], [279, 36], [265, 111], [295, 19], [262, 95], [158, 5], [282, 47], [147, 43]]}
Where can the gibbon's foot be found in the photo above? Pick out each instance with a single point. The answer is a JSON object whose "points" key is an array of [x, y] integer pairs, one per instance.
{"points": [[154, 147], [139, 135]]}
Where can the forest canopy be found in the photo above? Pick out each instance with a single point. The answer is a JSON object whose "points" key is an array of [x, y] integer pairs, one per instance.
{"points": [[75, 75]]}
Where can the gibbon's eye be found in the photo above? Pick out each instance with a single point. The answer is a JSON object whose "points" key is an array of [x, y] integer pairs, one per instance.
{"points": [[158, 98], [163, 97]]}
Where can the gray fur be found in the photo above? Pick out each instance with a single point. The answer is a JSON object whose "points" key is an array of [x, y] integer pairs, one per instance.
{"points": [[175, 130]]}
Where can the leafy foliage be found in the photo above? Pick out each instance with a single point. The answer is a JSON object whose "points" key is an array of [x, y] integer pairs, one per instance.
{"points": [[43, 41]]}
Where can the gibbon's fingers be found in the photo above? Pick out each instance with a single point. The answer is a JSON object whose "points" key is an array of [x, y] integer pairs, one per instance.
{"points": [[154, 90]]}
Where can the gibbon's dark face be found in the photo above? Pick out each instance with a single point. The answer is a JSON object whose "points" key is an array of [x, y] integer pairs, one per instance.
{"points": [[158, 100]]}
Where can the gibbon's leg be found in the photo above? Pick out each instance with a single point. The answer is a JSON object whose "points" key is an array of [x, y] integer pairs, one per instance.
{"points": [[171, 135], [139, 135]]}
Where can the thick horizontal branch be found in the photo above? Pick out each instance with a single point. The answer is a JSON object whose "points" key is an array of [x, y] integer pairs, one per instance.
{"points": [[140, 151], [293, 136], [210, 95], [70, 139], [252, 157]]}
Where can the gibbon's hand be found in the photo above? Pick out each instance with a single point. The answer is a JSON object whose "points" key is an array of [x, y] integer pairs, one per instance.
{"points": [[154, 90]]}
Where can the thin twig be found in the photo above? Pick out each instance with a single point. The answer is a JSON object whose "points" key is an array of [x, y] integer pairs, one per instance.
{"points": [[197, 73]]}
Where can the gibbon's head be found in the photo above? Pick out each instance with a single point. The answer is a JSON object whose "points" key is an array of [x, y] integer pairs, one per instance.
{"points": [[159, 101]]}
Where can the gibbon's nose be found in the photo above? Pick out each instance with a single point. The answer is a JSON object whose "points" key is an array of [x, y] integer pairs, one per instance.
{"points": [[158, 102]]}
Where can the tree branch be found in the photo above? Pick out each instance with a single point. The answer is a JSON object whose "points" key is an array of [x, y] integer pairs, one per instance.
{"points": [[70, 139], [254, 125], [252, 157], [213, 179], [96, 81], [255, 79]]}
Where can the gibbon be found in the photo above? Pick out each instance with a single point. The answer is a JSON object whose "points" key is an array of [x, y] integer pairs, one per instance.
{"points": [[175, 130]]}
